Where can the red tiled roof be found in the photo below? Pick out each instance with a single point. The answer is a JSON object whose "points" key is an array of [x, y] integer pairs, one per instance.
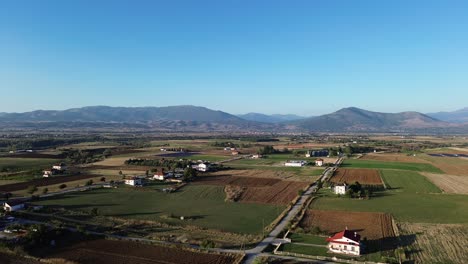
{"points": [[347, 234]]}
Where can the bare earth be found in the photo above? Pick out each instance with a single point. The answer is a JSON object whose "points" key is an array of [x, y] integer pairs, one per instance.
{"points": [[363, 176], [449, 183], [436, 243], [394, 157]]}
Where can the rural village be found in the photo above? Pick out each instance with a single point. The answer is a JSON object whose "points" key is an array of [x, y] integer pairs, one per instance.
{"points": [[245, 199]]}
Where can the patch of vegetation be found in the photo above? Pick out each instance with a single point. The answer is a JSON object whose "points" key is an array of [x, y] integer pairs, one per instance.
{"points": [[203, 206]]}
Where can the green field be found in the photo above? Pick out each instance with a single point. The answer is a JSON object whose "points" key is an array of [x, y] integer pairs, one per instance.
{"points": [[204, 204], [298, 171], [306, 250], [309, 239], [22, 164], [372, 164], [412, 199]]}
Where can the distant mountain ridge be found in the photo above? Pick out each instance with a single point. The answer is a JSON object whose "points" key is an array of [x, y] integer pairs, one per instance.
{"points": [[353, 119], [458, 116], [275, 118], [187, 118]]}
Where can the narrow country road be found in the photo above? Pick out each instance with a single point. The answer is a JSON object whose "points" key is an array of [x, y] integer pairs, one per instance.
{"points": [[295, 209]]}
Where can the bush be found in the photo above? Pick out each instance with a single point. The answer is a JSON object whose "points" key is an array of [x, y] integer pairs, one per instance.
{"points": [[31, 189], [103, 179], [88, 183], [63, 186]]}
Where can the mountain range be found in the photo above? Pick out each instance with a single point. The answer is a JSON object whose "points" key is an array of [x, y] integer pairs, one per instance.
{"points": [[458, 116], [195, 118], [275, 118]]}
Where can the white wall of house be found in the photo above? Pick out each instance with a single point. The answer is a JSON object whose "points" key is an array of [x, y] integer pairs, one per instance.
{"points": [[9, 208], [294, 163], [350, 249], [340, 189]]}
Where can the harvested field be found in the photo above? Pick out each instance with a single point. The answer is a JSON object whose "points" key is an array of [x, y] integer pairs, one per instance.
{"points": [[236, 180], [375, 227], [256, 173], [44, 182], [452, 166], [363, 176], [108, 251], [435, 243], [280, 193], [394, 157], [256, 190], [449, 183]]}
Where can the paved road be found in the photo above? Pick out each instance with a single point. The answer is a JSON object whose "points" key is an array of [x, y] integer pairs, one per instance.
{"points": [[295, 209]]}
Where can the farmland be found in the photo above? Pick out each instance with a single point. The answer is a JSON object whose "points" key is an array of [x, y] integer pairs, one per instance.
{"points": [[372, 164], [109, 251], [43, 182], [201, 205], [417, 198], [258, 190], [435, 243], [375, 228], [363, 176], [449, 183]]}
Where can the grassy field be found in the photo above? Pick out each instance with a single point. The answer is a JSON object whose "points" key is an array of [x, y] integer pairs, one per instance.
{"points": [[22, 164], [372, 164], [412, 199], [408, 182], [309, 239], [203, 204], [306, 250]]}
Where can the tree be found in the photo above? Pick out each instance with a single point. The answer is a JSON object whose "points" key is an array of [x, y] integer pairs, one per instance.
{"points": [[89, 183], [63, 186], [45, 190], [189, 174], [103, 179], [31, 189], [207, 244], [107, 153], [120, 173], [94, 211]]}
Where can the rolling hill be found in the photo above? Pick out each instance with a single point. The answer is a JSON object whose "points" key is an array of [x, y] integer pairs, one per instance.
{"points": [[458, 116], [275, 118], [200, 119], [353, 119]]}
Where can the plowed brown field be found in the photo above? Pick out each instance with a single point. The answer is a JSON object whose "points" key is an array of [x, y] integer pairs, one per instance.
{"points": [[258, 190], [376, 228], [363, 176], [112, 252]]}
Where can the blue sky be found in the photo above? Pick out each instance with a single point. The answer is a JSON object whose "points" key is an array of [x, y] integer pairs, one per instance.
{"points": [[302, 57]]}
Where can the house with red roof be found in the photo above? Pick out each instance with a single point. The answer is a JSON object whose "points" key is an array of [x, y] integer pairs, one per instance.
{"points": [[345, 242]]}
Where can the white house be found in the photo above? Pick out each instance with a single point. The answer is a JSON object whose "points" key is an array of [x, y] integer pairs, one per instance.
{"points": [[160, 176], [345, 242], [257, 156], [308, 155], [201, 167], [340, 188], [47, 173], [134, 181], [59, 167], [319, 162], [13, 205], [295, 163]]}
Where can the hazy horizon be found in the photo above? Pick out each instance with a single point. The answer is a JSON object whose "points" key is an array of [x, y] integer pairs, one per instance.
{"points": [[306, 58]]}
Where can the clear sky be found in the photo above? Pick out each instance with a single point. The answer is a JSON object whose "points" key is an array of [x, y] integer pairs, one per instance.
{"points": [[305, 57]]}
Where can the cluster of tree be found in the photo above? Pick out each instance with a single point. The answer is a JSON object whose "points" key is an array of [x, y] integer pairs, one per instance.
{"points": [[356, 190], [190, 174], [224, 144], [78, 156], [266, 150], [168, 163]]}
